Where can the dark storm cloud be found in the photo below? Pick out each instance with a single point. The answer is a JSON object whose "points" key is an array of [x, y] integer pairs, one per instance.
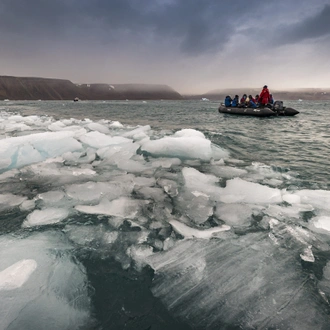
{"points": [[310, 28], [196, 26]]}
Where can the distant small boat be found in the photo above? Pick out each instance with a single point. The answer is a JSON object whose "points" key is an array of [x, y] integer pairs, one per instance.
{"points": [[75, 99], [6, 100], [205, 99]]}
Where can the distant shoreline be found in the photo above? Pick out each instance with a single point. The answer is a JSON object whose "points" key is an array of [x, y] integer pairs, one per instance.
{"points": [[34, 89]]}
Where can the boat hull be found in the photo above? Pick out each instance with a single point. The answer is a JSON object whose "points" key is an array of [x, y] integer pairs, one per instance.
{"points": [[257, 112]]}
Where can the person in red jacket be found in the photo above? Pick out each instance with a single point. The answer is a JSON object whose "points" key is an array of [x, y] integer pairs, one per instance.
{"points": [[264, 96]]}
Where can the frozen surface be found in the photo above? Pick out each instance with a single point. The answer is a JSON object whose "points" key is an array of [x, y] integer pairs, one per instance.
{"points": [[184, 146], [189, 232], [267, 292], [17, 274], [45, 217], [40, 285], [229, 245]]}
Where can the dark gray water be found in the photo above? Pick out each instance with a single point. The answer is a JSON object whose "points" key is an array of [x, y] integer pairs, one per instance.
{"points": [[118, 271]]}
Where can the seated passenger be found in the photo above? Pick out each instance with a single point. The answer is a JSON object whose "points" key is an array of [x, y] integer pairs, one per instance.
{"points": [[235, 101], [257, 98], [228, 100], [252, 102], [271, 100], [243, 99]]}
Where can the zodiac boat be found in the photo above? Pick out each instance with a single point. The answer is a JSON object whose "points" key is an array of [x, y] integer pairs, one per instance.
{"points": [[276, 110]]}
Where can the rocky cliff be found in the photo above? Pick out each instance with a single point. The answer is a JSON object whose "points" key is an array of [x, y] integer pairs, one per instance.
{"points": [[28, 88]]}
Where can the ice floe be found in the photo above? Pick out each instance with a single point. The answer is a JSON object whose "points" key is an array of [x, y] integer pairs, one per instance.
{"points": [[228, 244]]}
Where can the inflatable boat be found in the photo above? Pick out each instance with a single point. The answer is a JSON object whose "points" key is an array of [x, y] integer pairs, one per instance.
{"points": [[276, 110]]}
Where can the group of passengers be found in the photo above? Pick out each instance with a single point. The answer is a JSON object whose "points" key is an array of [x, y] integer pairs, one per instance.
{"points": [[264, 99]]}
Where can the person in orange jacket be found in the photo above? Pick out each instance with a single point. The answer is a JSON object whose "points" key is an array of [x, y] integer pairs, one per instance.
{"points": [[264, 96]]}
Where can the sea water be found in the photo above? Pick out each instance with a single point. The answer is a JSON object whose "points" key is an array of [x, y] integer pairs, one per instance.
{"points": [[163, 214]]}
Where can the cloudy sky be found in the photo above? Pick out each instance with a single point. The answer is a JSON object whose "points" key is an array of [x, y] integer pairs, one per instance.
{"points": [[193, 46]]}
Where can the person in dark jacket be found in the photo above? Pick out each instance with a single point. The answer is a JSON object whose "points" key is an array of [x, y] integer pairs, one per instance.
{"points": [[228, 100], [235, 101], [264, 96], [252, 102], [271, 99]]}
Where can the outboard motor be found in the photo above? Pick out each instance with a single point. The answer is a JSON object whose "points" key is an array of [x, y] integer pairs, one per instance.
{"points": [[278, 105]]}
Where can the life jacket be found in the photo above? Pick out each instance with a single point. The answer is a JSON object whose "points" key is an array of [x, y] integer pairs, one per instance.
{"points": [[252, 104], [264, 96], [228, 101], [235, 102]]}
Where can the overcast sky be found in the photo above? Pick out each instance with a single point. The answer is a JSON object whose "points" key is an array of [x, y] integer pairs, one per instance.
{"points": [[193, 46]]}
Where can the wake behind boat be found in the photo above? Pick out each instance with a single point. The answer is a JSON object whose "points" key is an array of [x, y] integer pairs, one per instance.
{"points": [[276, 110]]}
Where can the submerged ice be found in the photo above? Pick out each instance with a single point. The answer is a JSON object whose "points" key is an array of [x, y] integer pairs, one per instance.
{"points": [[228, 244]]}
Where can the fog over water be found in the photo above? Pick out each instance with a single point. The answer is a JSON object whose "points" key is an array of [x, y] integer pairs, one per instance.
{"points": [[163, 214]]}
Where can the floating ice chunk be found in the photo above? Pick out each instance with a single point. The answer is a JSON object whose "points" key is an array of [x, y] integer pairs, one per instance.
{"points": [[122, 207], [80, 157], [281, 212], [169, 186], [154, 193], [321, 222], [193, 178], [11, 127], [188, 132], [307, 255], [166, 162], [33, 148], [202, 183], [90, 235], [189, 232], [197, 206], [24, 155], [5, 162], [58, 174], [92, 192], [227, 172], [291, 198], [98, 127], [116, 124], [238, 190], [27, 205], [117, 152], [143, 181], [131, 166], [235, 214], [56, 126], [99, 140], [45, 217], [183, 147], [53, 295], [318, 198], [17, 274], [139, 253], [138, 132], [8, 201], [52, 197], [216, 282]]}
